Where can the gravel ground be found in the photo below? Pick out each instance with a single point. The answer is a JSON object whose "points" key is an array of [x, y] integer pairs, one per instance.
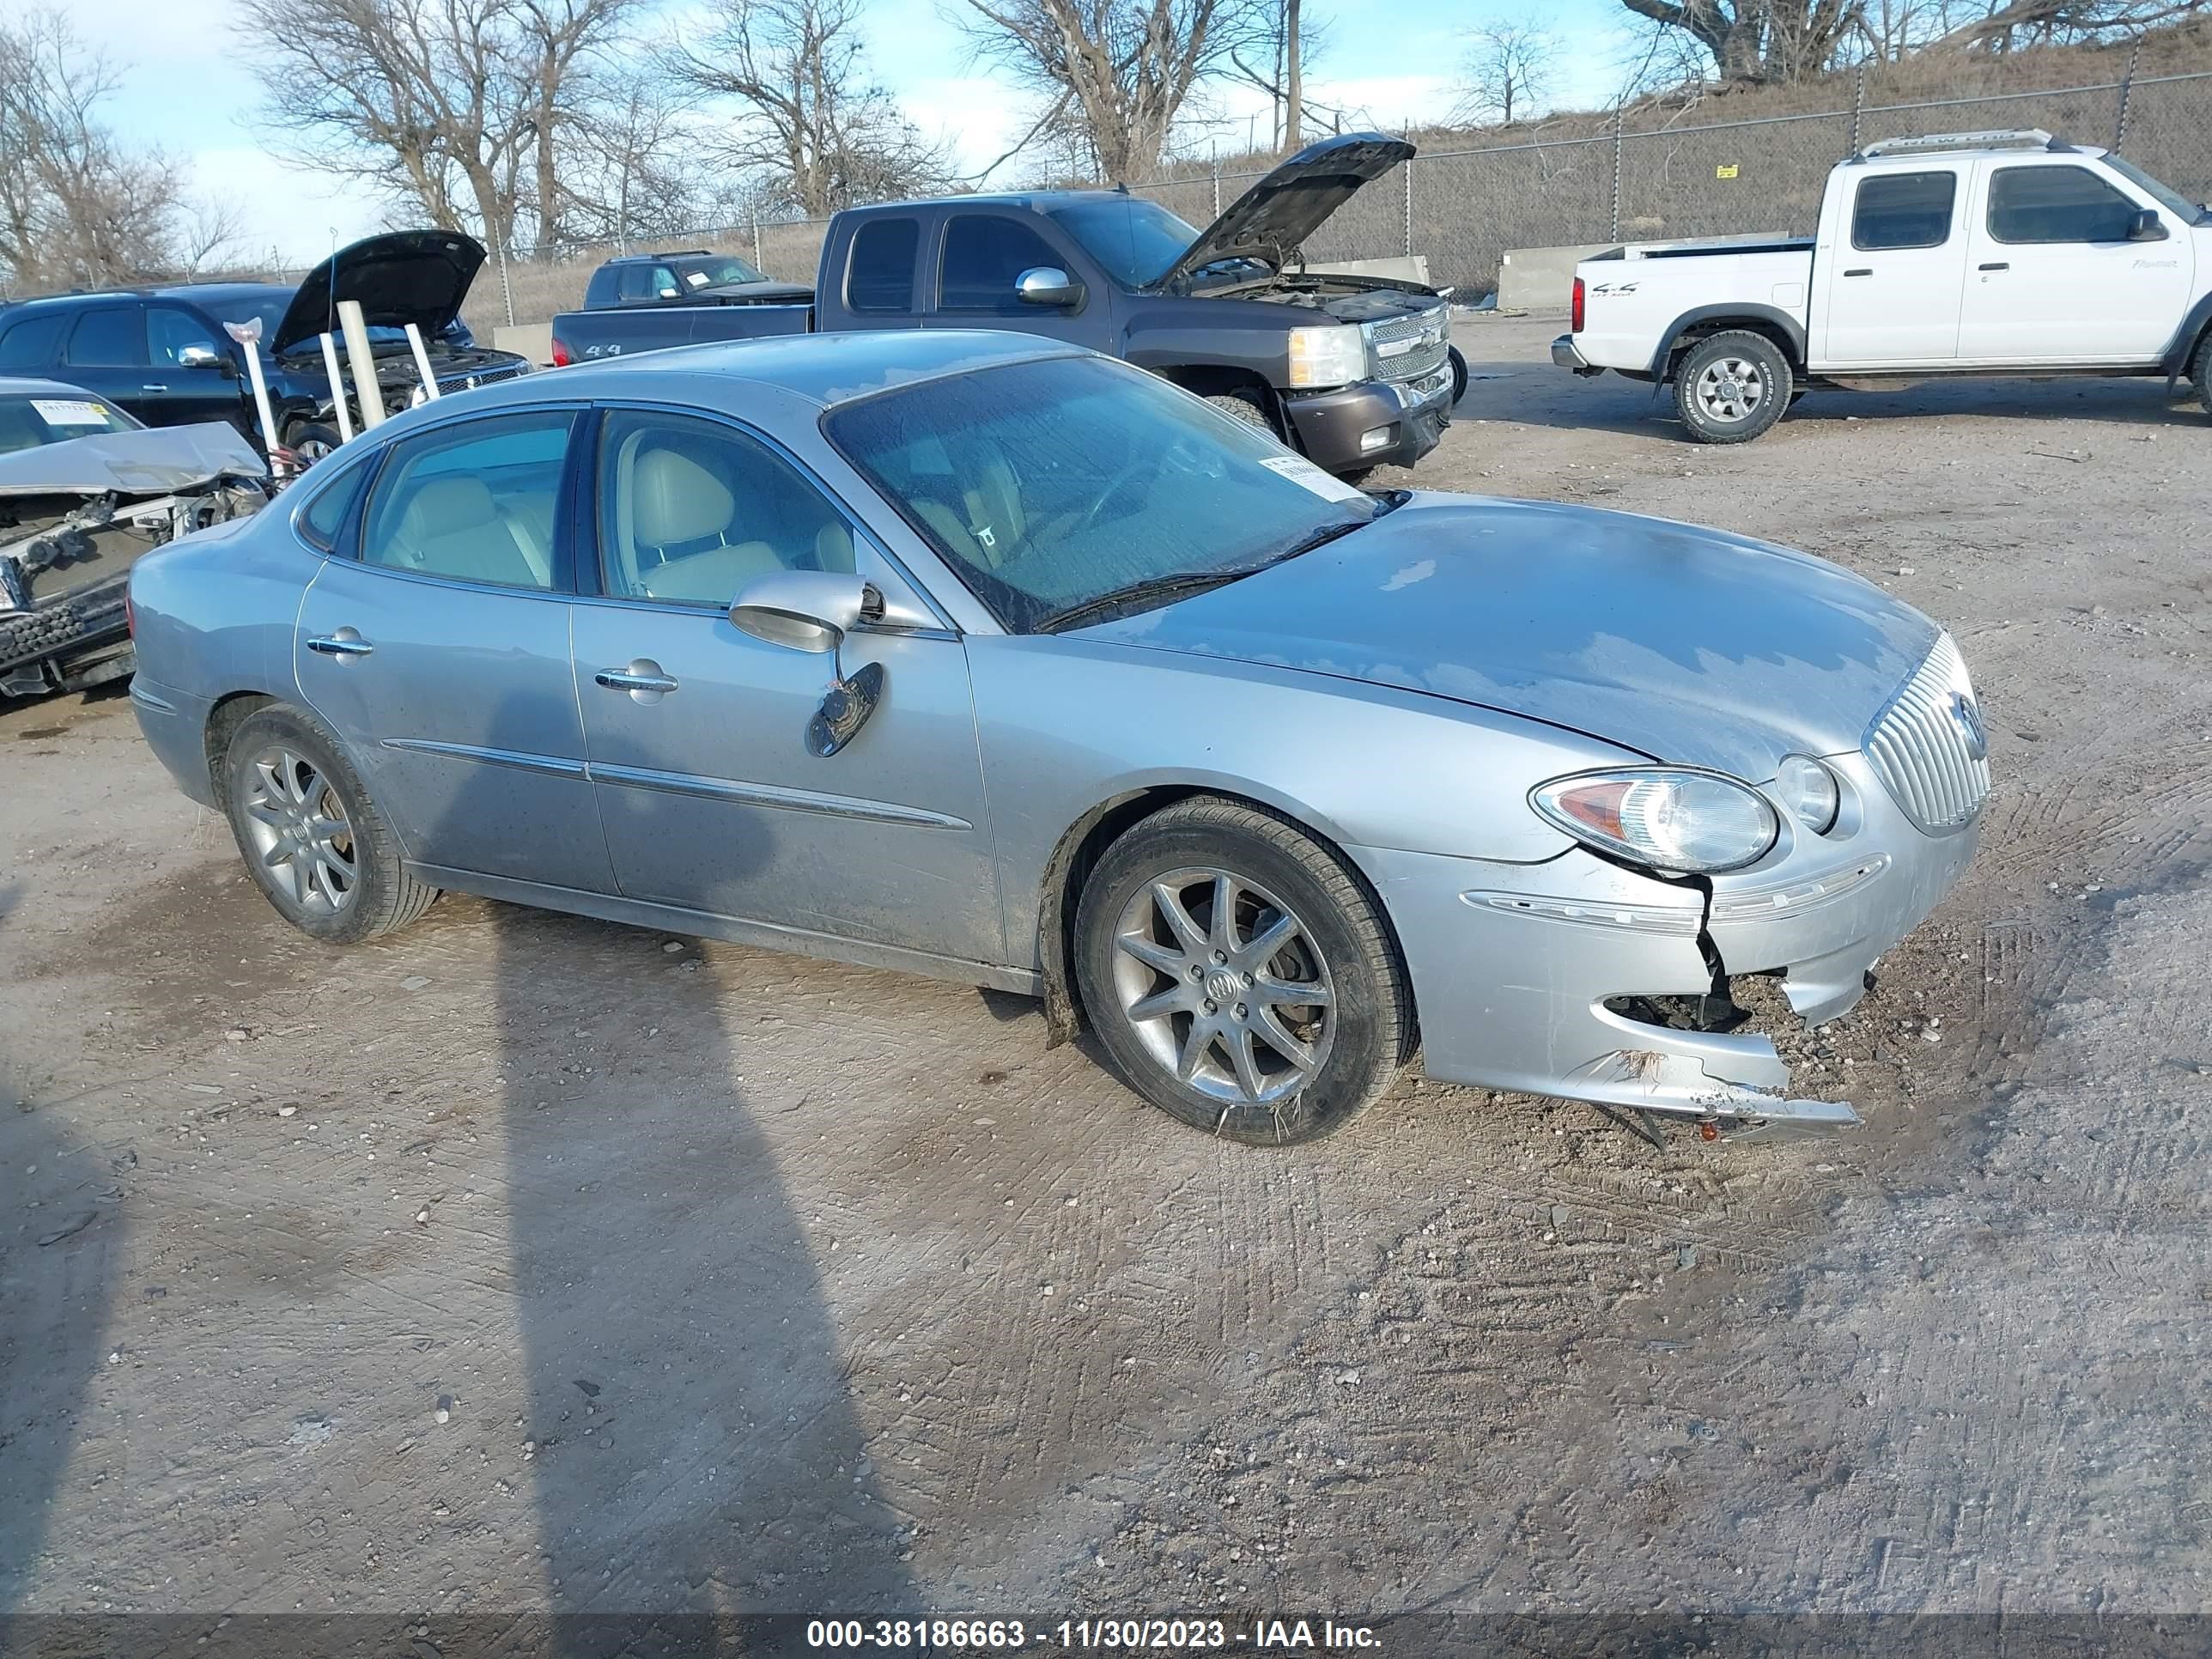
{"points": [[524, 1262]]}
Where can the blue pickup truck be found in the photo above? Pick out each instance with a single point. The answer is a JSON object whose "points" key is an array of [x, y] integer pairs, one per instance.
{"points": [[1355, 371]]}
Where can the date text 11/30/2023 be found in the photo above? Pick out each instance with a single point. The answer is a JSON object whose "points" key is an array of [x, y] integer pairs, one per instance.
{"points": [[1090, 1635]]}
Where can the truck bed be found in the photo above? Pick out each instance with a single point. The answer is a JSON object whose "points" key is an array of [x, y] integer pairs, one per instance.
{"points": [[582, 337]]}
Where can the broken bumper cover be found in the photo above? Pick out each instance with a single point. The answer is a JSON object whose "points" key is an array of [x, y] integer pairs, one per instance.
{"points": [[1411, 417], [1519, 969]]}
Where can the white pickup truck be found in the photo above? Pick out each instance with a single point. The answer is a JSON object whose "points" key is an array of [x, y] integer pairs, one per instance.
{"points": [[2009, 253]]}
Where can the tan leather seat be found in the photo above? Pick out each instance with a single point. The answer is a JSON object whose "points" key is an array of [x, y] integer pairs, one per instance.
{"points": [[672, 502], [453, 528]]}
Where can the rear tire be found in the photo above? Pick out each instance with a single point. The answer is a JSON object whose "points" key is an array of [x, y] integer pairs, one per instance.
{"points": [[1730, 387], [1283, 1045], [1458, 375], [312, 840]]}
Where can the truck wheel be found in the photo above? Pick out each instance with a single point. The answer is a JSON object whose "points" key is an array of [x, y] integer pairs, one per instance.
{"points": [[312, 442], [1239, 977], [1731, 387], [1459, 375], [1246, 406], [2200, 371]]}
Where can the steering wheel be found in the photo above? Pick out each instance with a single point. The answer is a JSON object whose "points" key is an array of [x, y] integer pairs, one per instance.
{"points": [[1120, 479]]}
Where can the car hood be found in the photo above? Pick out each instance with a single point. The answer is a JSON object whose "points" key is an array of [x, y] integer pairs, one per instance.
{"points": [[1270, 220], [418, 277], [156, 461], [1691, 645]]}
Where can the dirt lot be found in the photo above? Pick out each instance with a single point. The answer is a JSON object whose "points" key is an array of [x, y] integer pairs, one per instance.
{"points": [[750, 1282]]}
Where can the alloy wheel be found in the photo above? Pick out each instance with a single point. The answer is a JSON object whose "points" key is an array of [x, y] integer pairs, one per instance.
{"points": [[300, 830], [1731, 388], [1225, 986]]}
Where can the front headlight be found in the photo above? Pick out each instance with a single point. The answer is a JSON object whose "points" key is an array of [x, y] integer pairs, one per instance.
{"points": [[1660, 817], [1808, 789], [1333, 355]]}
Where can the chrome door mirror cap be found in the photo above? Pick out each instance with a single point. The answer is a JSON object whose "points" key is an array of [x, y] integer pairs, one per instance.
{"points": [[1048, 285], [199, 356], [805, 610]]}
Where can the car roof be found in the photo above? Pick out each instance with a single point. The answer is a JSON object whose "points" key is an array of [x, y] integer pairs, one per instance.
{"points": [[37, 385], [823, 370], [1039, 200], [204, 292]]}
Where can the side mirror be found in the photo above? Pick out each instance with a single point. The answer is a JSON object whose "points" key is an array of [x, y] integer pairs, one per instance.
{"points": [[813, 611], [201, 357], [2147, 226], [1048, 285]]}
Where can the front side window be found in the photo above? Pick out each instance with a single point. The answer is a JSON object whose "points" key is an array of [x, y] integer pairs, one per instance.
{"points": [[983, 256], [1904, 209], [112, 339], [30, 344], [2057, 205], [1050, 484], [475, 502], [691, 510], [170, 332], [879, 273]]}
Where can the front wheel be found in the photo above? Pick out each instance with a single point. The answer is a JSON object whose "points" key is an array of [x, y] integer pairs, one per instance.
{"points": [[1458, 373], [312, 840], [312, 442], [2200, 371], [1240, 977], [1730, 387]]}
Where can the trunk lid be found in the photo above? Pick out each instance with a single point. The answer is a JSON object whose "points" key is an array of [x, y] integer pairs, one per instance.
{"points": [[1270, 220]]}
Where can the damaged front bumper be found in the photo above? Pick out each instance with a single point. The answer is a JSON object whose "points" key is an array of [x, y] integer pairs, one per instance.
{"points": [[1579, 979]]}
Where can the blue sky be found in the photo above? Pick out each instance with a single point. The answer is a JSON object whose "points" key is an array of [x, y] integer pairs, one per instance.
{"points": [[189, 87]]}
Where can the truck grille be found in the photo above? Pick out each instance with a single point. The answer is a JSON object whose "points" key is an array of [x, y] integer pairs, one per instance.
{"points": [[1928, 746], [476, 377], [1408, 348]]}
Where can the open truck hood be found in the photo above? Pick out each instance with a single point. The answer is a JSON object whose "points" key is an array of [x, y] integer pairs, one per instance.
{"points": [[153, 461], [1270, 220], [418, 277]]}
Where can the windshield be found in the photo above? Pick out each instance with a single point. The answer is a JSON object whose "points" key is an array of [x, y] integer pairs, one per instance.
{"points": [[720, 271], [2173, 200], [1047, 484], [26, 423], [1136, 240]]}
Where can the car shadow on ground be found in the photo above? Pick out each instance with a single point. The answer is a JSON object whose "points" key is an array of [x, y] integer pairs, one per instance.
{"points": [[61, 1244], [1532, 394], [692, 1448]]}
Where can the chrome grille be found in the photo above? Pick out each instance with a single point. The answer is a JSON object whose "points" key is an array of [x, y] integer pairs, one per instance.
{"points": [[1922, 746], [1406, 348], [463, 382]]}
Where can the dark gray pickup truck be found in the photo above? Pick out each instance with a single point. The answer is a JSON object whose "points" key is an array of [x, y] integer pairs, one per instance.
{"points": [[1355, 371]]}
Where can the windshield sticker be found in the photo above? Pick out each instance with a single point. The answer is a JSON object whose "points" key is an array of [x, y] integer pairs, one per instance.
{"points": [[69, 411], [1300, 471], [696, 278]]}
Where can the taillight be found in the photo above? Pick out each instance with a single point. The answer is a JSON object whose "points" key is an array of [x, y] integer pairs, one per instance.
{"points": [[1574, 323], [562, 359]]}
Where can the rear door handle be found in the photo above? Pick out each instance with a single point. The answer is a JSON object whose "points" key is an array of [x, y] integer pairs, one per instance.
{"points": [[1999, 265], [1863, 271], [343, 644], [640, 676]]}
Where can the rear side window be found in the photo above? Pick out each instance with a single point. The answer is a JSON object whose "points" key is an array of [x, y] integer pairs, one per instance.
{"points": [[879, 273], [1904, 209], [474, 502], [983, 255], [323, 519], [30, 344], [113, 338], [2057, 205]]}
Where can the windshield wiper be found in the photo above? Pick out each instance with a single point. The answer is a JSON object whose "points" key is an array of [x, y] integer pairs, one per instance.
{"points": [[1175, 585], [1322, 538]]}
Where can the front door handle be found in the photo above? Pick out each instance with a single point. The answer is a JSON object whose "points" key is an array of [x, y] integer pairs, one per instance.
{"points": [[1862, 270], [1999, 265], [343, 644], [643, 679], [153, 388]]}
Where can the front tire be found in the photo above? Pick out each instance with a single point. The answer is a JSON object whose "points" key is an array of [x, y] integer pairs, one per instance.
{"points": [[2200, 371], [312, 442], [312, 840], [1729, 388], [1241, 978], [1248, 407]]}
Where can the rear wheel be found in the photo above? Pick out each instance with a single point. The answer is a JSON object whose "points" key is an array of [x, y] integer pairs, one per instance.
{"points": [[1242, 980], [312, 840], [1730, 387], [1459, 375]]}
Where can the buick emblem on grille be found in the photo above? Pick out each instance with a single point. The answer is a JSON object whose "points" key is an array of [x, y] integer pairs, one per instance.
{"points": [[1968, 720]]}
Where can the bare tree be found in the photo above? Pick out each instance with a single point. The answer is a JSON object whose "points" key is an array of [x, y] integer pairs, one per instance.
{"points": [[1285, 42], [808, 118], [1760, 41], [463, 110], [1508, 67], [2008, 25], [1126, 67], [76, 205]]}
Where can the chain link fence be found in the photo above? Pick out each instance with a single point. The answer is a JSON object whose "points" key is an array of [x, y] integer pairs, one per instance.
{"points": [[1636, 178]]}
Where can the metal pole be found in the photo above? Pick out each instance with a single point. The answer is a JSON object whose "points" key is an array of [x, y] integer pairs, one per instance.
{"points": [[757, 263], [1858, 105], [506, 288], [2127, 89], [1409, 208], [1216, 190], [1617, 111]]}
